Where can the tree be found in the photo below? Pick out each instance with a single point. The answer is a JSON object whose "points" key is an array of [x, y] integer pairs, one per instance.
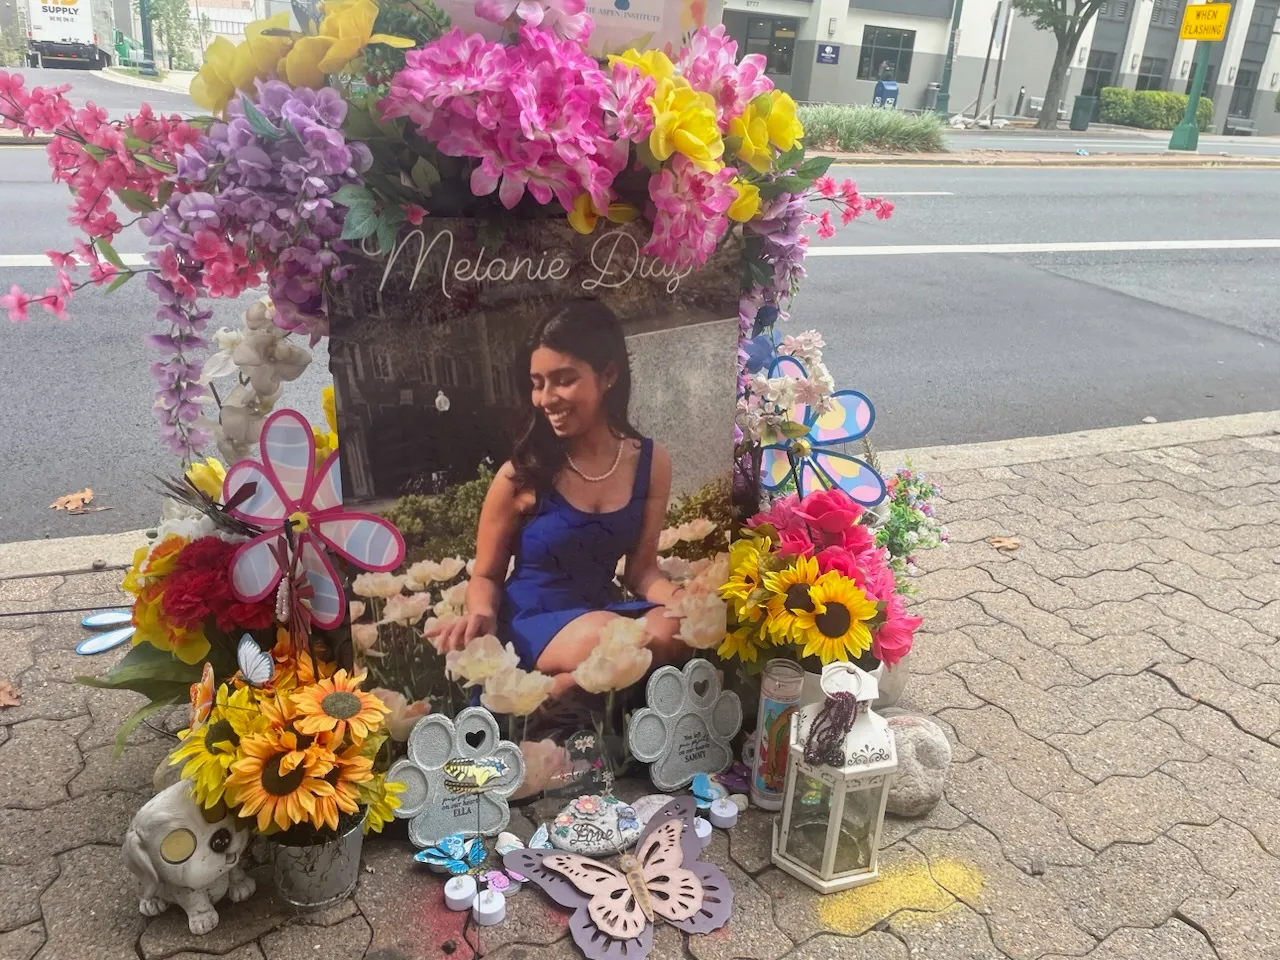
{"points": [[171, 22], [1067, 19]]}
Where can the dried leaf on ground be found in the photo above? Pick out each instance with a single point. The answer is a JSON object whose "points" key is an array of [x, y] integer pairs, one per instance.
{"points": [[10, 696], [73, 501], [1004, 543]]}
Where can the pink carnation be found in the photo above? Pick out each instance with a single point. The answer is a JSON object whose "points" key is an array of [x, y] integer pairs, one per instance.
{"points": [[690, 212], [627, 103], [892, 641], [710, 64], [781, 514]]}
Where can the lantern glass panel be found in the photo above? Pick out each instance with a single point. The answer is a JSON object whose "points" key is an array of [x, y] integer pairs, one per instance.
{"points": [[810, 817], [858, 830]]}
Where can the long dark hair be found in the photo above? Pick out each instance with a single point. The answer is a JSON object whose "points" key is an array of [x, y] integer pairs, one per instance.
{"points": [[588, 331]]}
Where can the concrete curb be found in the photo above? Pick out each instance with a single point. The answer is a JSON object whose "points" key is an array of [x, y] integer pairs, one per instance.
{"points": [[1007, 453], [13, 138], [77, 554], [1172, 162], [129, 81]]}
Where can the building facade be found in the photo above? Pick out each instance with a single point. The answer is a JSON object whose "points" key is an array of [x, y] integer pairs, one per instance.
{"points": [[835, 51]]}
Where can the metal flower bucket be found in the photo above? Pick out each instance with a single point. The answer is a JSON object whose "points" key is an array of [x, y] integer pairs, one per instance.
{"points": [[320, 874]]}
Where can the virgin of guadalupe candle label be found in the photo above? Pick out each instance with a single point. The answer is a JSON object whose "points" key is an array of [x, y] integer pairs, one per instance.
{"points": [[457, 777], [686, 727]]}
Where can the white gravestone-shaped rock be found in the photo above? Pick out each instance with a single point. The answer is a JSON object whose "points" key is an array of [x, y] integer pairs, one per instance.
{"points": [[686, 727], [183, 857], [924, 757], [457, 777]]}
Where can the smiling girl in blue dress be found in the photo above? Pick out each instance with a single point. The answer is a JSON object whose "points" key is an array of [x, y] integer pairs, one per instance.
{"points": [[582, 490]]}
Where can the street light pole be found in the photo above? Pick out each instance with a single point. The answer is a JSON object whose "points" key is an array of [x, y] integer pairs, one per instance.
{"points": [[1186, 135], [148, 66], [944, 93]]}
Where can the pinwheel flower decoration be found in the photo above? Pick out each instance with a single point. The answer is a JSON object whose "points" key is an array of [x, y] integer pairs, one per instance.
{"points": [[299, 508], [805, 454]]}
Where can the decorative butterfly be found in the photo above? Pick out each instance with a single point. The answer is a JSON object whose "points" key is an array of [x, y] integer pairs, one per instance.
{"points": [[467, 775], [102, 642], [541, 839], [706, 791], [736, 779], [202, 698], [301, 504], [257, 668], [615, 909], [807, 459], [454, 854]]}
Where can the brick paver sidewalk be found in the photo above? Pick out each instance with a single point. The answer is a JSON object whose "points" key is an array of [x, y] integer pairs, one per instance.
{"points": [[1113, 687]]}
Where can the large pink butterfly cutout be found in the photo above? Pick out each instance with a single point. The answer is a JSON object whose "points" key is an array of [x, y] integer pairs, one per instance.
{"points": [[291, 489], [662, 877]]}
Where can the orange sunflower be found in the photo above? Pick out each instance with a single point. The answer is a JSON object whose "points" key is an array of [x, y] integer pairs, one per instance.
{"points": [[277, 782], [350, 770], [338, 704]]}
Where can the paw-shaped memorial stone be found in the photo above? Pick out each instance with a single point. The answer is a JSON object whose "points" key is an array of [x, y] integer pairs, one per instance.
{"points": [[687, 725], [457, 777]]}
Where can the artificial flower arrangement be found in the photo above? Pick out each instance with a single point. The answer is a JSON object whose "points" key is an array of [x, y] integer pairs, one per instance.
{"points": [[806, 579], [295, 755], [910, 523], [353, 129]]}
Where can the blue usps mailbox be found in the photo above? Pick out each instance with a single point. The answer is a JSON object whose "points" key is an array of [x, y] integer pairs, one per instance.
{"points": [[886, 94]]}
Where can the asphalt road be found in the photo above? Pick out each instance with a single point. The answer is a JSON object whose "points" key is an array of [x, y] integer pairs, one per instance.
{"points": [[1105, 141], [953, 347]]}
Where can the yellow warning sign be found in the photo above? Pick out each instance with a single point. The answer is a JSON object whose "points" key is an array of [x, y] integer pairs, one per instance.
{"points": [[1205, 21]]}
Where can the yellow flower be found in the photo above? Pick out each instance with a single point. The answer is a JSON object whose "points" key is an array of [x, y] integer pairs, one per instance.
{"points": [[684, 121], [742, 642], [583, 215], [212, 87], [753, 128], [189, 646], [748, 203], [745, 586], [382, 798], [207, 477], [326, 440], [302, 62], [622, 212], [835, 626], [206, 753], [336, 705], [133, 582], [276, 783], [652, 63], [350, 771], [784, 128], [262, 51], [790, 597], [350, 24]]}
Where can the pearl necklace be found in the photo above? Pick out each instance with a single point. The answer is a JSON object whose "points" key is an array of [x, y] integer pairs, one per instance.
{"points": [[604, 476]]}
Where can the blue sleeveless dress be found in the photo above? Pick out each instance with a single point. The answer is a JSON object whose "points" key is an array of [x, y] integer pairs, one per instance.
{"points": [[564, 566]]}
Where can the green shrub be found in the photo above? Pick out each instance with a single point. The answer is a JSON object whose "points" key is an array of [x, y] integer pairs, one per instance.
{"points": [[856, 129], [443, 524], [1150, 109]]}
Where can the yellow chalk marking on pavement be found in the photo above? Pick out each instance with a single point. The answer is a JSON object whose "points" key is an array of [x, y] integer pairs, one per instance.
{"points": [[903, 886]]}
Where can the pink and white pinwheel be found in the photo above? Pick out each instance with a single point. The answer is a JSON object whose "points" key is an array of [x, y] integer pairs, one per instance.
{"points": [[292, 494]]}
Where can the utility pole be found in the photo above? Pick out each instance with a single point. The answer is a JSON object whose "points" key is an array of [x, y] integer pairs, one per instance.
{"points": [[944, 94], [148, 65]]}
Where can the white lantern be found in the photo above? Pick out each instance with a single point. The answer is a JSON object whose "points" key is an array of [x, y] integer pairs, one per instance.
{"points": [[829, 833]]}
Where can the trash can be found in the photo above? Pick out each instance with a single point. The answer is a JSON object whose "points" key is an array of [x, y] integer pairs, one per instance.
{"points": [[1082, 112], [931, 90]]}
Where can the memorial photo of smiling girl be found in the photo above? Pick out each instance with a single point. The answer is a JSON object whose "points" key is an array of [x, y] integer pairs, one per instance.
{"points": [[581, 491]]}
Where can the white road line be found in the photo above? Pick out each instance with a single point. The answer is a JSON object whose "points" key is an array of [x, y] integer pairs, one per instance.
{"points": [[40, 260], [908, 193], [1091, 246]]}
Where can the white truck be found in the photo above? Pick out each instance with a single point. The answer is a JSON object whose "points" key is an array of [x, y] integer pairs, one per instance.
{"points": [[69, 32]]}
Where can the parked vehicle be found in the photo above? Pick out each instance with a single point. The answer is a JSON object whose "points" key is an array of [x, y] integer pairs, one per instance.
{"points": [[70, 32]]}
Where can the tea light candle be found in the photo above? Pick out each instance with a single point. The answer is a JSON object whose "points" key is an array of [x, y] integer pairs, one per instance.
{"points": [[703, 830], [490, 908], [724, 813], [460, 893]]}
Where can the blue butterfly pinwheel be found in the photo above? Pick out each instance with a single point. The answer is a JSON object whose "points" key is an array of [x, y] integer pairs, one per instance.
{"points": [[805, 453], [454, 854]]}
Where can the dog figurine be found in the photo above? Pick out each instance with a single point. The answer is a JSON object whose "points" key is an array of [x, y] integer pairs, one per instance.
{"points": [[186, 855]]}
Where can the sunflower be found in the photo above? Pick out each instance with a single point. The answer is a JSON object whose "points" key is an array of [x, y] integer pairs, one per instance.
{"points": [[337, 704], [277, 782], [208, 751], [743, 642], [350, 769], [836, 626], [744, 589], [790, 597], [382, 798]]}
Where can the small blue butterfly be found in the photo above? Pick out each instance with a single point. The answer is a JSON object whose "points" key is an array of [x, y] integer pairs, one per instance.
{"points": [[454, 854], [706, 791], [541, 839], [101, 642]]}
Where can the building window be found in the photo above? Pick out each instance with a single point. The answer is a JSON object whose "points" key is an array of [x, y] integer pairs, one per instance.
{"points": [[1099, 72], [886, 54], [1114, 10], [775, 39], [1164, 13], [448, 371], [382, 364], [428, 370], [1242, 94], [1151, 73]]}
